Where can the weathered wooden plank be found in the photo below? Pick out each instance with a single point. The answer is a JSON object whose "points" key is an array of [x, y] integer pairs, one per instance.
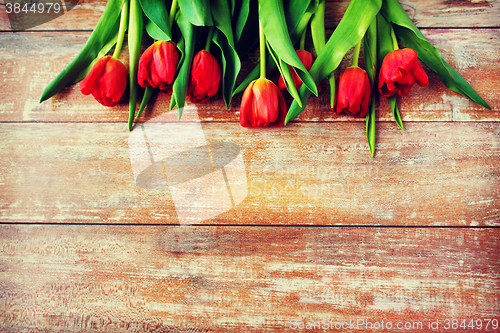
{"points": [[436, 14], [429, 13], [30, 61], [235, 279], [306, 173]]}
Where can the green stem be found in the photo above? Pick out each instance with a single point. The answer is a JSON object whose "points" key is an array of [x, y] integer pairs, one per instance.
{"points": [[123, 28], [355, 56], [171, 17], [318, 28], [209, 38], [394, 39], [135, 31], [262, 39], [302, 44]]}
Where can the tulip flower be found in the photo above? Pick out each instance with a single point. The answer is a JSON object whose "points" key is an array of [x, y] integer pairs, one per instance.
{"points": [[106, 81], [205, 77], [262, 105], [158, 64], [353, 92], [399, 72], [307, 59]]}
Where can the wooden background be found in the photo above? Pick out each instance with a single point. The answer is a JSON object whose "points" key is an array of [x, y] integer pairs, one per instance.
{"points": [[320, 232]]}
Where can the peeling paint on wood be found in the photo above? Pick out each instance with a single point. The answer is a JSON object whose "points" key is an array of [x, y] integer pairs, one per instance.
{"points": [[311, 229]]}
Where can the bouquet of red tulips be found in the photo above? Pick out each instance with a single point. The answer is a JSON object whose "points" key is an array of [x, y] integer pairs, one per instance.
{"points": [[173, 62]]}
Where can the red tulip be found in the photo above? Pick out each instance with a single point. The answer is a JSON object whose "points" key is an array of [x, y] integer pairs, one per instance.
{"points": [[353, 92], [307, 59], [205, 77], [106, 81], [158, 64], [262, 105], [399, 72]]}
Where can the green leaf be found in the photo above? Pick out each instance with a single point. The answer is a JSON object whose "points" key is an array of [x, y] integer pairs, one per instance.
{"points": [[318, 27], [395, 111], [286, 74], [351, 29], [135, 31], [254, 74], [181, 45], [370, 55], [224, 38], [148, 92], [221, 13], [241, 20], [197, 12], [179, 88], [275, 29], [106, 26], [370, 126], [104, 51], [413, 38], [386, 45], [299, 29], [333, 88], [249, 39], [247, 23], [296, 10], [370, 52], [231, 66], [157, 12], [155, 32]]}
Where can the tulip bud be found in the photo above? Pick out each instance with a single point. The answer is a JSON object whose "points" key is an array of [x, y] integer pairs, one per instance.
{"points": [[307, 59], [262, 105], [399, 72], [205, 77], [158, 64], [353, 92], [106, 81]]}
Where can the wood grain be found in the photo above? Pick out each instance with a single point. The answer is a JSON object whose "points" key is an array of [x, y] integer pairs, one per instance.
{"points": [[429, 13], [306, 173], [234, 279], [297, 223], [435, 14]]}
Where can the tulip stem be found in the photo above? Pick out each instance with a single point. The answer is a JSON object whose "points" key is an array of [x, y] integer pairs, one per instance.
{"points": [[302, 44], [394, 39], [262, 39], [171, 17], [209, 38], [355, 56], [121, 31]]}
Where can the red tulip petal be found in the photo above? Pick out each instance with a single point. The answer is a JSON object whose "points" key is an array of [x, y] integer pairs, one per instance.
{"points": [[399, 72], [88, 84], [262, 105], [354, 91], [205, 77], [306, 58], [420, 76], [246, 111], [144, 67]]}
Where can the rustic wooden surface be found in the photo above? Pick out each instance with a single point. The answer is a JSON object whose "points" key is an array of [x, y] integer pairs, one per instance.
{"points": [[287, 227]]}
